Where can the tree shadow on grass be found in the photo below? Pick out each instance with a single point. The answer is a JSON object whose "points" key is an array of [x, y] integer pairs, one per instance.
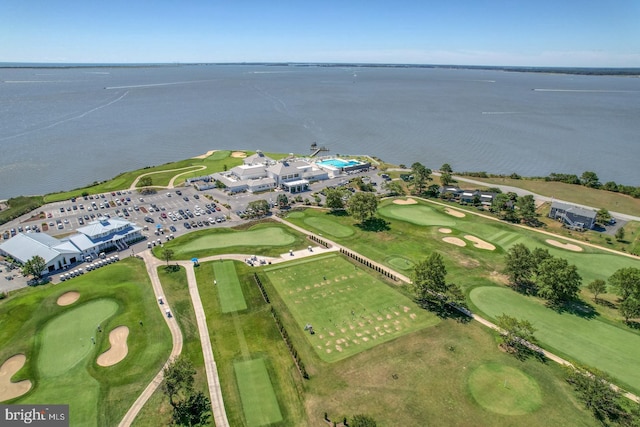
{"points": [[444, 311], [576, 307], [338, 212], [633, 324], [374, 224]]}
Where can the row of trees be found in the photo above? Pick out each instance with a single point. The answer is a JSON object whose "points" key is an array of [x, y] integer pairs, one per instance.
{"points": [[590, 179], [626, 283], [538, 272]]}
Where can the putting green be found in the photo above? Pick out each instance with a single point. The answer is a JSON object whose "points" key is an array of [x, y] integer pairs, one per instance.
{"points": [[66, 340], [593, 342], [266, 236], [504, 390], [296, 214], [416, 214], [327, 226], [228, 286], [349, 309], [401, 263], [259, 402]]}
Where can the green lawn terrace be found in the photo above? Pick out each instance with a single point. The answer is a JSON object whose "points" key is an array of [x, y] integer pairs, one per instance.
{"points": [[266, 239], [349, 309], [62, 342]]}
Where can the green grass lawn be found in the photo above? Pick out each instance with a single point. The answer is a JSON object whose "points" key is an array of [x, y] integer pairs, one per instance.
{"points": [[229, 289], [504, 389], [259, 403], [248, 335], [267, 238], [60, 356], [417, 214], [591, 341], [350, 310]]}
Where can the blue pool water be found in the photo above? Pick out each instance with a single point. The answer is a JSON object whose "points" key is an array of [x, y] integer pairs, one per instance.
{"points": [[339, 163]]}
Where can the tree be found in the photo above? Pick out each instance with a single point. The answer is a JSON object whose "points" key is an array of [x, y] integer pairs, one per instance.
{"points": [[620, 234], [334, 199], [361, 420], [516, 333], [260, 207], [178, 379], [429, 276], [603, 216], [595, 392], [590, 179], [362, 206], [558, 281], [146, 181], [34, 267], [421, 175], [537, 256], [394, 188], [527, 209], [446, 178], [167, 255], [519, 265], [597, 287], [626, 282], [195, 410], [630, 308], [446, 168], [610, 186], [282, 200]]}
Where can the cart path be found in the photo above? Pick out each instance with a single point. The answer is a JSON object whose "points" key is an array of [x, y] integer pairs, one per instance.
{"points": [[188, 169], [152, 264]]}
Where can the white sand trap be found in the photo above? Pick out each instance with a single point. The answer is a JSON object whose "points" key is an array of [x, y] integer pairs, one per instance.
{"points": [[481, 244], [239, 154], [68, 298], [9, 390], [567, 246], [408, 201], [454, 212], [454, 241], [444, 230], [119, 348], [205, 155]]}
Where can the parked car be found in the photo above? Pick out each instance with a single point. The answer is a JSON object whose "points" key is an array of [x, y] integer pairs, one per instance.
{"points": [[148, 219]]}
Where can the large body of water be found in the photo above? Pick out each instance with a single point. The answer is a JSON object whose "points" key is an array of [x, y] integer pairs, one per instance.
{"points": [[62, 128]]}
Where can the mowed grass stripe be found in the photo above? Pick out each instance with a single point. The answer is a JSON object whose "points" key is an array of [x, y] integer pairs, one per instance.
{"points": [[592, 342], [259, 402], [229, 289]]}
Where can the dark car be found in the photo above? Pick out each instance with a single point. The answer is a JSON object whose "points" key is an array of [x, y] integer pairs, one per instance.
{"points": [[173, 229], [179, 193], [148, 219], [187, 225]]}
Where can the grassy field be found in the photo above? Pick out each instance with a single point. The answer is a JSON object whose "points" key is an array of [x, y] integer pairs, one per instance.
{"points": [[158, 411], [268, 238], [424, 375], [259, 402], [470, 267], [349, 309], [573, 193], [593, 342], [248, 335], [59, 364], [229, 289]]}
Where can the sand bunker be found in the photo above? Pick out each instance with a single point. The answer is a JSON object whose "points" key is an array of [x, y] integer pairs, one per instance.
{"points": [[444, 230], [9, 390], [454, 241], [481, 244], [204, 156], [408, 201], [239, 154], [119, 348], [454, 212], [68, 298], [567, 246]]}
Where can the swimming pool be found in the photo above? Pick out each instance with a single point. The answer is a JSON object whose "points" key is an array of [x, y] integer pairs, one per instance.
{"points": [[339, 163]]}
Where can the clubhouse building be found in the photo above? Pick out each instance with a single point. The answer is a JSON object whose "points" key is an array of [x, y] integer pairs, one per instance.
{"points": [[261, 173], [104, 235]]}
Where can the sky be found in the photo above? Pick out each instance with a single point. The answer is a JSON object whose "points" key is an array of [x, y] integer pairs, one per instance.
{"points": [[558, 33]]}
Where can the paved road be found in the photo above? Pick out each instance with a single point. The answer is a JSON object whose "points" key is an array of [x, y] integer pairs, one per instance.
{"points": [[152, 264]]}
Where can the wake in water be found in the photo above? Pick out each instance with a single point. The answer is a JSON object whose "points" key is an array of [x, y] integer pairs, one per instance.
{"points": [[68, 119]]}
